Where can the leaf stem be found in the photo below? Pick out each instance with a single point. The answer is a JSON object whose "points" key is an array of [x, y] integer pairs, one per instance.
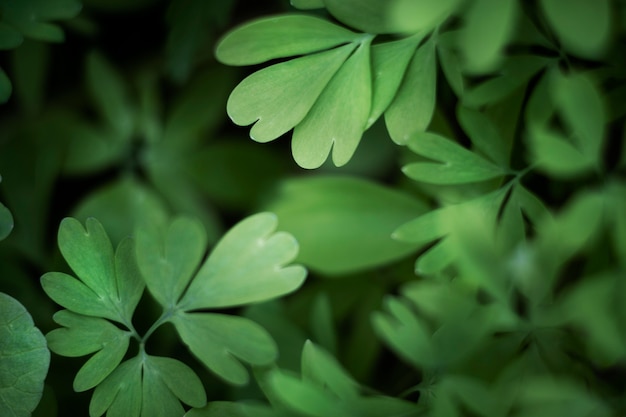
{"points": [[165, 317]]}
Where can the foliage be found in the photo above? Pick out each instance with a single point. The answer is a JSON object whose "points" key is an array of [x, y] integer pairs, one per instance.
{"points": [[454, 184]]}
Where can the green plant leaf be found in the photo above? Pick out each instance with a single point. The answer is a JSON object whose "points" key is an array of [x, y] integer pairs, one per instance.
{"points": [[108, 91], [120, 394], [450, 62], [279, 37], [9, 37], [218, 341], [488, 26], [583, 27], [389, 63], [31, 64], [414, 105], [5, 87], [457, 164], [326, 215], [168, 256], [338, 117], [6, 220], [323, 370], [307, 4], [30, 17], [25, 359], [278, 97], [109, 284], [484, 135], [249, 264], [83, 335], [580, 104]]}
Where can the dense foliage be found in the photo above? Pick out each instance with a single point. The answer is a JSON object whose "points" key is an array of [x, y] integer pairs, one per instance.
{"points": [[431, 223]]}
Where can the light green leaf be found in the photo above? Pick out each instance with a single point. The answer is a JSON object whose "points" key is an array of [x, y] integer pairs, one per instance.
{"points": [[25, 360], [278, 97], [249, 264], [306, 398], [83, 335], [484, 135], [120, 205], [556, 155], [323, 370], [450, 63], [180, 379], [322, 324], [109, 285], [436, 259], [5, 87], [458, 165], [413, 107], [217, 340], [405, 333], [389, 63], [326, 215], [278, 37], [169, 255], [583, 26], [339, 116], [580, 105], [108, 91], [488, 26], [120, 394]]}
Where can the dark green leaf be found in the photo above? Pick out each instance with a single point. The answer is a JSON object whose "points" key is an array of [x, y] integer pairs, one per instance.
{"points": [[414, 105], [488, 26], [249, 264], [25, 359], [457, 164], [6, 221], [168, 256], [30, 17], [326, 215], [30, 66], [450, 63], [218, 341], [307, 4], [120, 394], [9, 37], [278, 37], [484, 135], [5, 87], [338, 117], [583, 27], [389, 63], [278, 97]]}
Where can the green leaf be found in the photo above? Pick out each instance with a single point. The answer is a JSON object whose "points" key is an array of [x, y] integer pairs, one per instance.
{"points": [[278, 97], [450, 62], [616, 205], [583, 27], [218, 341], [31, 64], [249, 264], [25, 359], [120, 394], [168, 256], [338, 117], [406, 334], [556, 155], [279, 37], [488, 26], [83, 335], [109, 285], [108, 91], [457, 164], [6, 220], [5, 87], [30, 17], [389, 63], [326, 215], [322, 323], [305, 397], [307, 4], [414, 105], [580, 105], [9, 37], [484, 135], [323, 370]]}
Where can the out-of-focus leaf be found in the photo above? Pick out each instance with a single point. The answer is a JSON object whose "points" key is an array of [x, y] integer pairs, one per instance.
{"points": [[326, 215], [168, 256], [456, 165], [30, 66], [389, 63], [82, 335], [323, 370], [488, 26], [484, 135], [5, 87], [278, 97], [9, 37], [414, 105], [30, 17], [108, 90], [616, 206], [117, 6], [583, 27], [322, 323], [556, 155], [119, 206], [6, 222], [278, 37], [219, 341], [307, 4], [25, 359], [338, 118], [450, 63]]}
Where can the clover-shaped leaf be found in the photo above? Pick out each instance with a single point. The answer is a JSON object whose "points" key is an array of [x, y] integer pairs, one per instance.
{"points": [[109, 284], [24, 359], [83, 335]]}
